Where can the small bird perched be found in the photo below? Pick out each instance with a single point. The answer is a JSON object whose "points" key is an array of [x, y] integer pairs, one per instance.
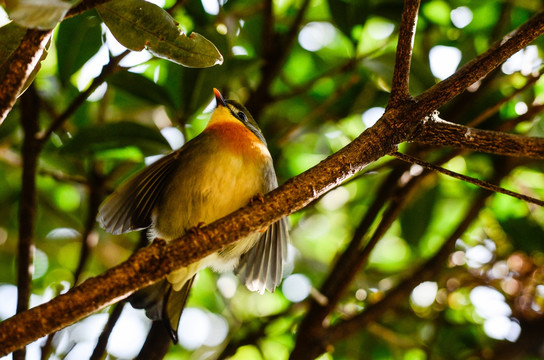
{"points": [[214, 174]]}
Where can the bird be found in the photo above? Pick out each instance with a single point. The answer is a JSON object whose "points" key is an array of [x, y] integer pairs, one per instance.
{"points": [[225, 167]]}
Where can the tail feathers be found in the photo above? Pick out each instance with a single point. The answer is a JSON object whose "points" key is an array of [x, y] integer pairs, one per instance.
{"points": [[161, 302], [262, 266]]}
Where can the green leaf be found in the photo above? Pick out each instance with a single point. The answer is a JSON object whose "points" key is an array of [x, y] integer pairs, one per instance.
{"points": [[115, 136], [416, 218], [525, 233], [138, 24], [347, 14], [79, 38], [438, 12], [141, 87], [11, 35], [39, 14], [8, 128]]}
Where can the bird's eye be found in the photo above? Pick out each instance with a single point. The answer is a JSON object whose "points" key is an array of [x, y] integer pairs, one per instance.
{"points": [[242, 116]]}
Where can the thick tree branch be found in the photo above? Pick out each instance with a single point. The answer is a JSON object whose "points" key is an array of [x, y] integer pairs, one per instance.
{"points": [[401, 73], [154, 262], [23, 60], [438, 132], [26, 57]]}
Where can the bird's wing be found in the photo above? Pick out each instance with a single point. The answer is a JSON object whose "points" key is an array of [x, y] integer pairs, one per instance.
{"points": [[262, 266], [129, 207]]}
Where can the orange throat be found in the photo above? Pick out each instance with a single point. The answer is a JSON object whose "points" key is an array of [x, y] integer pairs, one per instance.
{"points": [[238, 138]]}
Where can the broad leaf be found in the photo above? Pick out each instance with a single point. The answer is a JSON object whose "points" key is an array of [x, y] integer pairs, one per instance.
{"points": [[39, 14], [116, 136], [78, 39], [416, 218], [11, 35], [526, 234], [347, 14], [141, 87], [138, 24]]}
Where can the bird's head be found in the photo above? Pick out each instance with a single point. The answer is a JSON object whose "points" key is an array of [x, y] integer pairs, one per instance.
{"points": [[233, 111]]}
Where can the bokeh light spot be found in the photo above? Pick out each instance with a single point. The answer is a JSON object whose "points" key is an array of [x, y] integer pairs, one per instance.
{"points": [[296, 287], [316, 35], [424, 294], [444, 60], [461, 17], [372, 115]]}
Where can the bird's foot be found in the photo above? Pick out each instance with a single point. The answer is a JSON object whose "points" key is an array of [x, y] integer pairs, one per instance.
{"points": [[159, 242], [197, 230], [257, 198]]}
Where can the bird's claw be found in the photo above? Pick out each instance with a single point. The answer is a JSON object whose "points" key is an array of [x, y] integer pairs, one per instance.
{"points": [[196, 230], [257, 198]]}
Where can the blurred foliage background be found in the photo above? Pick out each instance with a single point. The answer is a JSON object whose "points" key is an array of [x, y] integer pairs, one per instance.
{"points": [[314, 74]]}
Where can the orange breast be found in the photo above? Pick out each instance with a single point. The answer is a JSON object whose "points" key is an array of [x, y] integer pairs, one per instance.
{"points": [[235, 137]]}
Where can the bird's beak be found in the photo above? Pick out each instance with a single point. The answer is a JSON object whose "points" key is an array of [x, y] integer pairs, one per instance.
{"points": [[219, 98]]}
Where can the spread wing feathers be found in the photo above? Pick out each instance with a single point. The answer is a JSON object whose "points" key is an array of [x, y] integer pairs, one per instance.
{"points": [[129, 208], [262, 266], [161, 302]]}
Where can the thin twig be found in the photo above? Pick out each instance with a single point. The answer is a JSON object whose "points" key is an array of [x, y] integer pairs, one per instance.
{"points": [[303, 88], [531, 80], [275, 51], [100, 348], [481, 183], [253, 337], [157, 343], [427, 271], [107, 70], [401, 73], [62, 177], [534, 109], [319, 110], [353, 258], [90, 237]]}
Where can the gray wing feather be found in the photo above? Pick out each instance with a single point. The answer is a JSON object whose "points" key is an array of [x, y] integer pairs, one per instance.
{"points": [[129, 208], [262, 266]]}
